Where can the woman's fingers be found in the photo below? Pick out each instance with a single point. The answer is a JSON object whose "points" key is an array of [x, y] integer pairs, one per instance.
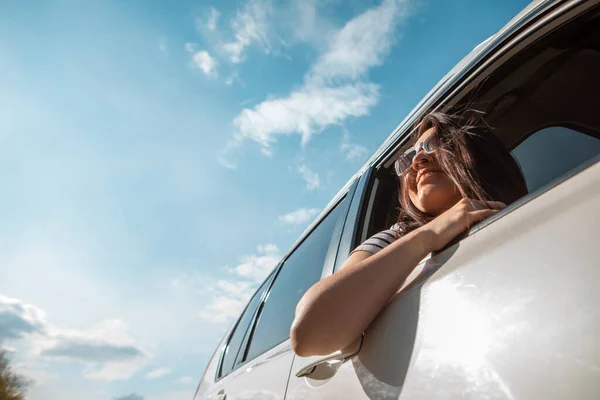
{"points": [[496, 205], [480, 215], [482, 204]]}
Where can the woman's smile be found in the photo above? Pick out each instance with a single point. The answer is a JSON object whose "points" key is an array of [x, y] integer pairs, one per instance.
{"points": [[426, 173]]}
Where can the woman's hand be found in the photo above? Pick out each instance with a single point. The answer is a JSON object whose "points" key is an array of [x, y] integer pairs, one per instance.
{"points": [[459, 218]]}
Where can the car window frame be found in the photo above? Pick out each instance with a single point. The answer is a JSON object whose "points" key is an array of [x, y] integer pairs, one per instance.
{"points": [[574, 126], [354, 219], [267, 283], [343, 201], [333, 247]]}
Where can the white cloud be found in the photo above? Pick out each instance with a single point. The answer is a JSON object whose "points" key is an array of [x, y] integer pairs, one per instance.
{"points": [[250, 25], [268, 248], [299, 217], [157, 373], [224, 308], [107, 345], [107, 350], [213, 19], [362, 43], [334, 88], [202, 59], [206, 63], [117, 371], [18, 319], [311, 178], [306, 111], [185, 380], [230, 296], [258, 266]]}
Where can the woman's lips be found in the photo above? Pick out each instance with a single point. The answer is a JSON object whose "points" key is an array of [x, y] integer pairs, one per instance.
{"points": [[425, 173]]}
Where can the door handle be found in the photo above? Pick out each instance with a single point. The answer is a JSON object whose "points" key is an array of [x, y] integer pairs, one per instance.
{"points": [[326, 367], [221, 395]]}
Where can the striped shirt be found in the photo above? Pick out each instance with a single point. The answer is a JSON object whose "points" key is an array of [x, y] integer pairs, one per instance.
{"points": [[380, 240]]}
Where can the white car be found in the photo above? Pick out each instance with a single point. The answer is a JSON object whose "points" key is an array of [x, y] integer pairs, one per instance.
{"points": [[510, 310]]}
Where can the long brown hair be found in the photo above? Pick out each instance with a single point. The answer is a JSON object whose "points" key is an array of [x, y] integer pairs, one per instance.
{"points": [[472, 157]]}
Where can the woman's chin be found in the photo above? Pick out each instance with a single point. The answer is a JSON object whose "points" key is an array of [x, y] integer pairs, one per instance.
{"points": [[434, 199]]}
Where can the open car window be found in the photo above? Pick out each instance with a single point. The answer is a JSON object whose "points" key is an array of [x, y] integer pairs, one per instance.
{"points": [[550, 153]]}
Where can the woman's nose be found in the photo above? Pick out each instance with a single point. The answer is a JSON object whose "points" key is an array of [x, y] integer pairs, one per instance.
{"points": [[421, 160]]}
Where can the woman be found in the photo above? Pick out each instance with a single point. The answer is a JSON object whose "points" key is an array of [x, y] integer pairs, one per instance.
{"points": [[454, 176]]}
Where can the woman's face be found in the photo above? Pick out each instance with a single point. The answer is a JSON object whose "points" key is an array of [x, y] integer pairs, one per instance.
{"points": [[430, 189]]}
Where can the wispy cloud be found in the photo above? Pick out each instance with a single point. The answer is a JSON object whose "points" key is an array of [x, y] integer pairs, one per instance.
{"points": [[190, 47], [131, 396], [162, 44], [117, 371], [230, 296], [185, 380], [307, 23], [251, 25], [157, 373], [299, 217], [89, 348], [361, 44], [213, 19], [334, 88], [227, 304], [223, 157], [311, 178], [353, 151]]}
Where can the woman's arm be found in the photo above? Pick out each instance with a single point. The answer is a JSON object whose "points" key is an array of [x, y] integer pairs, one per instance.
{"points": [[337, 309]]}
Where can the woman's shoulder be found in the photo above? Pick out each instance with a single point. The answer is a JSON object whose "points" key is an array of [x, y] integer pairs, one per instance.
{"points": [[380, 240], [397, 228]]}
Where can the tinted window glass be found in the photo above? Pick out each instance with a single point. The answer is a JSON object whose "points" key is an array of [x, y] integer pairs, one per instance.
{"points": [[553, 151], [300, 271], [236, 338]]}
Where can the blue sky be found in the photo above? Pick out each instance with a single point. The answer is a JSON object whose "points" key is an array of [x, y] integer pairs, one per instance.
{"points": [[157, 158]]}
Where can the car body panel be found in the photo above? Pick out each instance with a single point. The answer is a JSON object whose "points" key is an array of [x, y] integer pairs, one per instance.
{"points": [[508, 316], [265, 377], [345, 384], [208, 386]]}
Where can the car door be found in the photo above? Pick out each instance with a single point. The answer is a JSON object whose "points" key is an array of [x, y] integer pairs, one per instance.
{"points": [[223, 361], [511, 310], [263, 364]]}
